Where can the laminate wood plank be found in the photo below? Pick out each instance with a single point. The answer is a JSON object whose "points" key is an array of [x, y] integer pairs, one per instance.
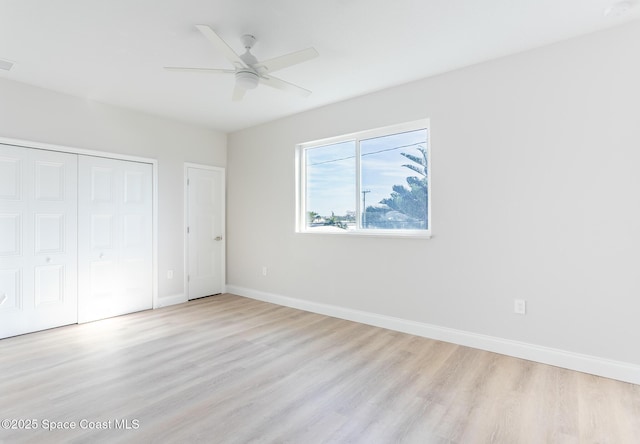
{"points": [[227, 369]]}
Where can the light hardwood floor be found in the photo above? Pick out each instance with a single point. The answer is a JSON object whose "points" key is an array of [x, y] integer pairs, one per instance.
{"points": [[227, 369]]}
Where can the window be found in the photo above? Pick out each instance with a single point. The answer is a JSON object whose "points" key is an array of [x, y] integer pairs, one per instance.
{"points": [[373, 182]]}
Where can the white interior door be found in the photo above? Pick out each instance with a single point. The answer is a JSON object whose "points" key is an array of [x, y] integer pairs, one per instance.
{"points": [[205, 232], [38, 241], [115, 237]]}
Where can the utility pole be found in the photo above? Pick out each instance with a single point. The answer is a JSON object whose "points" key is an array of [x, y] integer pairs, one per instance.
{"points": [[364, 208]]}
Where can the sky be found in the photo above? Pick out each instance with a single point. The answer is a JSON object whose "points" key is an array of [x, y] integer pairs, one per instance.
{"points": [[331, 171]]}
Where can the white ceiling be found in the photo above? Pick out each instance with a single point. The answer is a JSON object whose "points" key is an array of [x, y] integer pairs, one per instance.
{"points": [[113, 51]]}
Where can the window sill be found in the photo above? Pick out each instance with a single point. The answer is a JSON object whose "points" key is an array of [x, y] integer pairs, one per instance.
{"points": [[377, 233]]}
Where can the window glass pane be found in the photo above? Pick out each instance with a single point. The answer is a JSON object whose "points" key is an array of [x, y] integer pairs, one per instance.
{"points": [[394, 181], [331, 187]]}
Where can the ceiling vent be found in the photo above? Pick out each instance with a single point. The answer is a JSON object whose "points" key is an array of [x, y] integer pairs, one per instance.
{"points": [[6, 65], [618, 9]]}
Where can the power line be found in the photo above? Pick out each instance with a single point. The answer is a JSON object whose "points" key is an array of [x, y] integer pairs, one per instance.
{"points": [[367, 154]]}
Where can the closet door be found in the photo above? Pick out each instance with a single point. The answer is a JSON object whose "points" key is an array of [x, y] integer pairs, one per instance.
{"points": [[38, 243], [115, 237]]}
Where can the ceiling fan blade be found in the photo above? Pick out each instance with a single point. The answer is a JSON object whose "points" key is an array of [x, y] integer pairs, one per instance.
{"points": [[238, 93], [274, 82], [222, 46], [286, 60], [206, 70]]}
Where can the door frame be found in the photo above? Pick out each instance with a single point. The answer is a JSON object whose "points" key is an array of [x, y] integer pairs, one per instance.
{"points": [[223, 216], [154, 188]]}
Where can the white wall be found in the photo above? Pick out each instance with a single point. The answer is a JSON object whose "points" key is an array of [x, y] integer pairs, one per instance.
{"points": [[536, 195], [39, 115]]}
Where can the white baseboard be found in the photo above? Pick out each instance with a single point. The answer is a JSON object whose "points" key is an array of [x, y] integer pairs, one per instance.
{"points": [[173, 299], [608, 368]]}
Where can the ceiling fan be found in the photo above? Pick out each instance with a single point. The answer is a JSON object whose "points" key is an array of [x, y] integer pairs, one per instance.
{"points": [[248, 70]]}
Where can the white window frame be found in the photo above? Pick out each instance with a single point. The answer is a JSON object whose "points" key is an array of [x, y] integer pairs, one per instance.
{"points": [[301, 182]]}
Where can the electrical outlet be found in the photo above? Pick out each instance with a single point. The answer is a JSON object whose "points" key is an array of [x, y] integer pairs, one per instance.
{"points": [[169, 274], [264, 271], [520, 306]]}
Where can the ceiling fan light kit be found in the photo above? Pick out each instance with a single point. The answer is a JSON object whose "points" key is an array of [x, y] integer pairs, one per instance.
{"points": [[248, 71], [247, 79]]}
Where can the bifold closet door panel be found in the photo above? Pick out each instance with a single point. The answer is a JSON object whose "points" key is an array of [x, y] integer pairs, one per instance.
{"points": [[38, 240], [115, 237]]}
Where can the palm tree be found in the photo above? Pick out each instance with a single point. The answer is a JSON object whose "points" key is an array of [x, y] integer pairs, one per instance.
{"points": [[412, 201], [313, 216]]}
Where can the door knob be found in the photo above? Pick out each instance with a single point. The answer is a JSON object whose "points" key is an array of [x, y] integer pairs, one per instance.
{"points": [[219, 238], [101, 255], [48, 260]]}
